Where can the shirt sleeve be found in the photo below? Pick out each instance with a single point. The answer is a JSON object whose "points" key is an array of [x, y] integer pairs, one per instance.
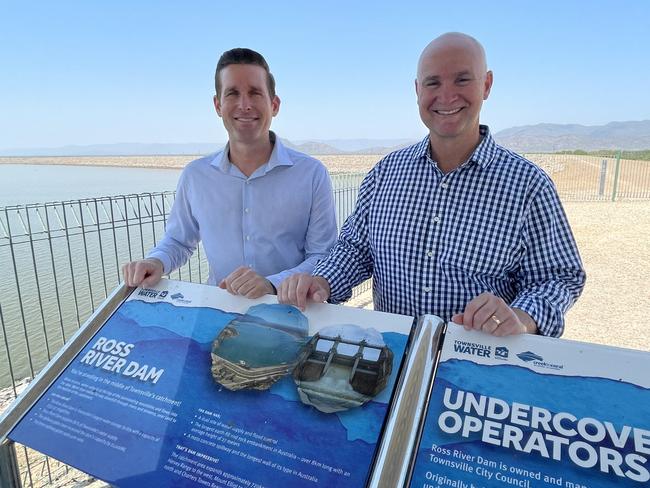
{"points": [[551, 276], [182, 232], [321, 231], [350, 261]]}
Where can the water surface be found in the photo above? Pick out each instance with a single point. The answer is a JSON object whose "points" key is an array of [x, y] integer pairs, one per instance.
{"points": [[39, 183]]}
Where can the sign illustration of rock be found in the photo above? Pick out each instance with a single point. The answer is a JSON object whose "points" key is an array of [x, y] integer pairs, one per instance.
{"points": [[258, 348]]}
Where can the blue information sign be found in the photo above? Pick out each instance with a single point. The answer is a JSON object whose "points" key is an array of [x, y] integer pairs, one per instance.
{"points": [[535, 412], [139, 405]]}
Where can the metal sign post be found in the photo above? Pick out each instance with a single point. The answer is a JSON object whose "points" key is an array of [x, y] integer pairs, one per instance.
{"points": [[9, 472]]}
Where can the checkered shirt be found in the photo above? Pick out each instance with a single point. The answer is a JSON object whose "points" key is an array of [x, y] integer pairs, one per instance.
{"points": [[434, 241]]}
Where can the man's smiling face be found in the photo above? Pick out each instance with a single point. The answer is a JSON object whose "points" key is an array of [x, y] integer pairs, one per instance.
{"points": [[245, 104], [451, 84]]}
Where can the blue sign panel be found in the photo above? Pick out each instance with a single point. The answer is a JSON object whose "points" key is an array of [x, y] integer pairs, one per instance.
{"points": [[140, 406], [534, 412]]}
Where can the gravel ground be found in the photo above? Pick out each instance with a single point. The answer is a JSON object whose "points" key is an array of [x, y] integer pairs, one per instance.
{"points": [[614, 242]]}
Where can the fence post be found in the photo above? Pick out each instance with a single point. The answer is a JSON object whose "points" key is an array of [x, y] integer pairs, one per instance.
{"points": [[616, 173], [603, 176], [9, 471]]}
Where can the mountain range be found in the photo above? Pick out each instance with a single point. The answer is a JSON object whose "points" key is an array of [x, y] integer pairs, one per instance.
{"points": [[631, 135]]}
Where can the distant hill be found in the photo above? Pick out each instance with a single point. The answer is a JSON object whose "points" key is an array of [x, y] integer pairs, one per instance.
{"points": [[312, 147], [528, 138], [633, 135], [349, 146], [362, 146]]}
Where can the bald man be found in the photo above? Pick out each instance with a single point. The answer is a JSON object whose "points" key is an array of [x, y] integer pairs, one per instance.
{"points": [[455, 225]]}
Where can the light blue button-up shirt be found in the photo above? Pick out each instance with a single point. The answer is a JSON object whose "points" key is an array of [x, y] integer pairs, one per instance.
{"points": [[278, 221]]}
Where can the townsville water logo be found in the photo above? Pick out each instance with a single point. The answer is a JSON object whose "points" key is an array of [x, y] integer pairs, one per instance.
{"points": [[472, 348]]}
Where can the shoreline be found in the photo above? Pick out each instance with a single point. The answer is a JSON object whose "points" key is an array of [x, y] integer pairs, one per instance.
{"points": [[149, 162], [335, 163]]}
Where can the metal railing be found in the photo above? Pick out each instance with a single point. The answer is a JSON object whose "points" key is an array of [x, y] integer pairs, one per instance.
{"points": [[591, 178], [60, 260]]}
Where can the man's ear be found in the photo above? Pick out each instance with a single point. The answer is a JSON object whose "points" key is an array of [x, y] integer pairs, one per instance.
{"points": [[275, 105], [488, 85], [217, 105]]}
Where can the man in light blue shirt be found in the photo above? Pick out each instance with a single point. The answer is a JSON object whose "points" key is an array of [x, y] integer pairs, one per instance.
{"points": [[262, 210]]}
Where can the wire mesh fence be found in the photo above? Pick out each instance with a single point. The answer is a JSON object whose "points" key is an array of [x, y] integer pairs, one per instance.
{"points": [[592, 178], [60, 261]]}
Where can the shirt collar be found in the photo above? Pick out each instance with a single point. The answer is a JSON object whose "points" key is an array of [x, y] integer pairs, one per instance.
{"points": [[483, 155], [486, 150], [280, 156]]}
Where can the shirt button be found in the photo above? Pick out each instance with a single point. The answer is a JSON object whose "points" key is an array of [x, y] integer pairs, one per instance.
{"points": [[246, 210], [248, 238], [436, 219], [430, 254], [444, 186], [427, 289]]}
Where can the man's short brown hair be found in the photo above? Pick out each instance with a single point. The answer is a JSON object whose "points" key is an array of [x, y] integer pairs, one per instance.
{"points": [[242, 55]]}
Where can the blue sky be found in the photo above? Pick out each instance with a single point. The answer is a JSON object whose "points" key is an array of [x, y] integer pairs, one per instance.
{"points": [[91, 72]]}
